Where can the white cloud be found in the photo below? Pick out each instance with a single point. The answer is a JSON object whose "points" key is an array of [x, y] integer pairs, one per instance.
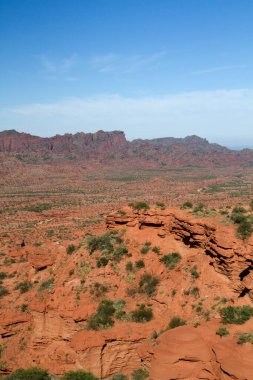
{"points": [[118, 64], [211, 70], [57, 68], [221, 116]]}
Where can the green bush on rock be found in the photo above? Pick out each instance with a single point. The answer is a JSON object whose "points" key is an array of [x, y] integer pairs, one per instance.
{"points": [[79, 375], [29, 374], [236, 314]]}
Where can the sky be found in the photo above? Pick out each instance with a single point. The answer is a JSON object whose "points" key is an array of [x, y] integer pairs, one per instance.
{"points": [[152, 68]]}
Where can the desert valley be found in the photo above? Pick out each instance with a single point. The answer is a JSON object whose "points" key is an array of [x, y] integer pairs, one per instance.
{"points": [[125, 260]]}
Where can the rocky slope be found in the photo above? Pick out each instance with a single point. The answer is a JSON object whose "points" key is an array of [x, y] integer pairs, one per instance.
{"points": [[228, 255], [191, 151], [53, 293], [85, 145]]}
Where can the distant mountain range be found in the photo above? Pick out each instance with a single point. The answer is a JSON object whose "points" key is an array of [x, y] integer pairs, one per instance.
{"points": [[109, 146]]}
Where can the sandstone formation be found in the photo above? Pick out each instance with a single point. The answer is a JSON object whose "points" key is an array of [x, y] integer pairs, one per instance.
{"points": [[228, 255], [189, 353], [46, 325]]}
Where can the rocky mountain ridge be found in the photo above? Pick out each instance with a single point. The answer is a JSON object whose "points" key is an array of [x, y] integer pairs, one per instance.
{"points": [[111, 146]]}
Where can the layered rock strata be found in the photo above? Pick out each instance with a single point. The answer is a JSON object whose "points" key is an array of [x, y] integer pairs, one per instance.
{"points": [[228, 255]]}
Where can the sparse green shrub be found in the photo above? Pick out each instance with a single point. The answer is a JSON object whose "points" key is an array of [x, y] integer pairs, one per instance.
{"points": [[46, 284], [8, 261], [171, 260], [129, 266], [120, 252], [195, 292], [50, 233], [245, 338], [223, 212], [104, 243], [222, 331], [194, 272], [3, 275], [244, 229], [38, 208], [119, 312], [176, 322], [70, 249], [131, 292], [140, 374], [142, 314], [121, 212], [156, 250], [103, 318], [139, 264], [199, 208], [207, 315], [98, 289], [3, 291], [199, 309], [186, 205], [148, 284], [161, 205], [139, 206], [29, 374], [79, 375], [120, 376], [236, 314], [23, 287], [154, 335], [239, 210], [238, 215], [101, 261], [24, 307], [146, 248]]}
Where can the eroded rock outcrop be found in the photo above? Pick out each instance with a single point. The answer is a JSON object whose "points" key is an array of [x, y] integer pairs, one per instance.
{"points": [[47, 326], [189, 353], [228, 255]]}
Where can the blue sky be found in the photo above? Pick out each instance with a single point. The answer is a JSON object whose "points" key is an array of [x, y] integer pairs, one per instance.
{"points": [[152, 68]]}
